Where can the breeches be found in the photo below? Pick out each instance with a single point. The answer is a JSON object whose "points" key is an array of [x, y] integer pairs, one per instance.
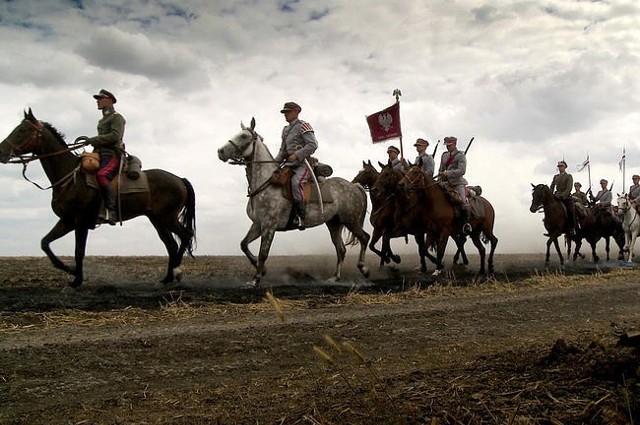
{"points": [[108, 168], [462, 191], [299, 178]]}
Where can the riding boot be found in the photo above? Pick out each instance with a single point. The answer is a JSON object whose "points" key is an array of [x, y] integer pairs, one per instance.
{"points": [[301, 212], [464, 217], [109, 206]]}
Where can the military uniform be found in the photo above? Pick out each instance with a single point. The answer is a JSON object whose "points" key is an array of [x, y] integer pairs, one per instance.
{"points": [[453, 166], [108, 144], [561, 186], [428, 164], [634, 190], [603, 198], [580, 197], [298, 138]]}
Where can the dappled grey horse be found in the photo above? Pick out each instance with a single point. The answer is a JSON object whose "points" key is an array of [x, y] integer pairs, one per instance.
{"points": [[269, 210]]}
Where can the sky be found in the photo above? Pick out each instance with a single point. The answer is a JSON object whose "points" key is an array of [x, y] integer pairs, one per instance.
{"points": [[533, 82]]}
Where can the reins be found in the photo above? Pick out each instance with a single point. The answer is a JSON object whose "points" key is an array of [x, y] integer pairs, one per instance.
{"points": [[238, 159], [36, 140]]}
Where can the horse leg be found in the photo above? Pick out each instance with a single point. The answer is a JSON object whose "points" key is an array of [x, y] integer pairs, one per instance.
{"points": [[593, 251], [171, 246], [81, 246], [475, 237], [266, 238], [442, 245], [548, 254], [363, 239], [557, 246], [632, 244], [492, 250], [422, 250], [375, 237], [607, 247], [59, 230], [252, 235], [335, 230]]}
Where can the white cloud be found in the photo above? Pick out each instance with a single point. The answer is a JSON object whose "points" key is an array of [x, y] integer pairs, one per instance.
{"points": [[533, 83]]}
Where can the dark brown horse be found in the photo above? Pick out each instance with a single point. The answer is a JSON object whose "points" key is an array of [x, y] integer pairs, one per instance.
{"points": [[382, 212], [555, 218], [429, 207], [598, 223], [169, 205]]}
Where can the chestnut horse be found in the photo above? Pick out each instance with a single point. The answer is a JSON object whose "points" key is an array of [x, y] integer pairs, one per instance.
{"points": [[429, 207], [169, 205], [555, 218]]}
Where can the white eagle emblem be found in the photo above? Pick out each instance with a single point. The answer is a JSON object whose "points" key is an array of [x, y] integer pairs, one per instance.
{"points": [[385, 120]]}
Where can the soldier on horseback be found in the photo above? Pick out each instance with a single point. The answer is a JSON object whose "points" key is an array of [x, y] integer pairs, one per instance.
{"points": [[634, 192], [561, 188], [108, 144], [396, 163], [579, 196], [453, 166], [428, 165], [298, 143]]}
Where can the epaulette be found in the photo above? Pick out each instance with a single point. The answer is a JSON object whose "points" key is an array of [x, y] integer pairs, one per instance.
{"points": [[305, 127]]}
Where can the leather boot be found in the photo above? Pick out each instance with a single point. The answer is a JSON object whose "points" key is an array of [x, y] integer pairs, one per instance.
{"points": [[109, 206], [301, 212], [464, 216]]}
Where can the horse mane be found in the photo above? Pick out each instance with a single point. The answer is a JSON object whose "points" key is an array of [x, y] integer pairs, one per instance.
{"points": [[56, 133]]}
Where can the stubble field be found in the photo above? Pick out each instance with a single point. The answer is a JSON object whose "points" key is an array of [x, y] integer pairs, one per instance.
{"points": [[527, 346]]}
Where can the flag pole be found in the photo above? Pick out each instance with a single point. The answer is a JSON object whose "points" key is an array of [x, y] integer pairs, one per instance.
{"points": [[624, 166], [397, 93]]}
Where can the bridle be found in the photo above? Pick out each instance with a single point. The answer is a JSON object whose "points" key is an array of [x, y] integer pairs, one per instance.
{"points": [[237, 158], [33, 143]]}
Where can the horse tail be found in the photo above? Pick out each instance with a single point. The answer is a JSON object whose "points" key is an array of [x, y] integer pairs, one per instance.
{"points": [[188, 216], [352, 239]]}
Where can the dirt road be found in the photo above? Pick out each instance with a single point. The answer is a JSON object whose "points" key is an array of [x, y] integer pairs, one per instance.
{"points": [[526, 347]]}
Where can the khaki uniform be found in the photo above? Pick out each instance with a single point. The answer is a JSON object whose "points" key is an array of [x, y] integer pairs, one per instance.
{"points": [[428, 164], [561, 185], [298, 137]]}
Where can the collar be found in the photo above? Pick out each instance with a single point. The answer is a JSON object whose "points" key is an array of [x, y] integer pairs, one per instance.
{"points": [[108, 111]]}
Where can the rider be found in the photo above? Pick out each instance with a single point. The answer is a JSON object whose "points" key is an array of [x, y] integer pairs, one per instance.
{"points": [[396, 163], [604, 195], [428, 165], [298, 143], [562, 183], [453, 166], [634, 192], [579, 196], [108, 144]]}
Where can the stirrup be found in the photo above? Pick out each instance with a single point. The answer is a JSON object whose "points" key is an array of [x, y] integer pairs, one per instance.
{"points": [[466, 229], [300, 221]]}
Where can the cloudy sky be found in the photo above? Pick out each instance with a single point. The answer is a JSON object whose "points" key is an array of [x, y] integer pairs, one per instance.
{"points": [[532, 81]]}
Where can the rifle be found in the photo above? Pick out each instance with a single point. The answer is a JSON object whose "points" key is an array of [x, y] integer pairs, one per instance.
{"points": [[469, 145], [433, 155]]}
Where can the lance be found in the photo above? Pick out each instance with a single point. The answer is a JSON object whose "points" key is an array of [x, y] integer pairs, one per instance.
{"points": [[397, 93], [469, 145], [315, 179], [433, 155]]}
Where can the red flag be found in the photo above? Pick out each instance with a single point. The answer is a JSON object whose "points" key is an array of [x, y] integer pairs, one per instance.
{"points": [[385, 124]]}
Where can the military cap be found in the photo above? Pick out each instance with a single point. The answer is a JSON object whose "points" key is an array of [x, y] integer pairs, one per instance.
{"points": [[604, 181], [290, 106], [393, 149], [635, 176], [421, 142], [564, 164], [577, 184], [450, 140], [105, 93]]}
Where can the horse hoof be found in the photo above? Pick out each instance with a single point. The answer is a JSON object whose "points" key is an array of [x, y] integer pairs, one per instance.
{"points": [[436, 272], [364, 271], [255, 283], [333, 279], [396, 259], [69, 290], [177, 274]]}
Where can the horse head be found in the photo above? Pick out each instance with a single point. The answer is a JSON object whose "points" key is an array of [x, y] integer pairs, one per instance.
{"points": [[539, 195], [624, 204], [25, 138], [415, 178], [388, 180], [367, 175], [240, 147]]}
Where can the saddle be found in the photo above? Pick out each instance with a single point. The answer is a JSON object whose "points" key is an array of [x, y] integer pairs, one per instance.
{"points": [[476, 207], [282, 177]]}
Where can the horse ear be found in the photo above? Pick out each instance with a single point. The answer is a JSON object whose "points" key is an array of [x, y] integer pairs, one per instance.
{"points": [[380, 164], [30, 116], [253, 123], [370, 163], [533, 185], [242, 126]]}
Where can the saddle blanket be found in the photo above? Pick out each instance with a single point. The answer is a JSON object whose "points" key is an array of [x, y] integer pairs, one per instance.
{"points": [[311, 193], [477, 207], [127, 185]]}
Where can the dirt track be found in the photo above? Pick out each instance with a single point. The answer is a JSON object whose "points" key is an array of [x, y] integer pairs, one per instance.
{"points": [[530, 346]]}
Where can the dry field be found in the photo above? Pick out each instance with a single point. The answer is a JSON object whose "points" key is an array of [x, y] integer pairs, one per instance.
{"points": [[527, 346]]}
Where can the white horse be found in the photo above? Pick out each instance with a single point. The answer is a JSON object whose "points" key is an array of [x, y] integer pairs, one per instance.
{"points": [[269, 210], [630, 224]]}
